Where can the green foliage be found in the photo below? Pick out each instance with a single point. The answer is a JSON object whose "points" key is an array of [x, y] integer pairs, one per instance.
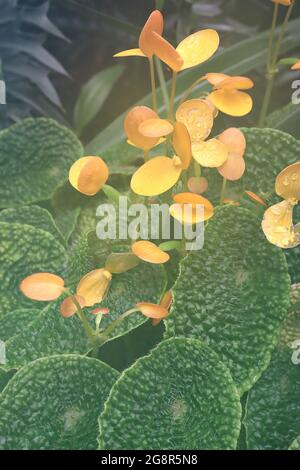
{"points": [[233, 294], [38, 151], [179, 397], [16, 321], [25, 250], [57, 401]]}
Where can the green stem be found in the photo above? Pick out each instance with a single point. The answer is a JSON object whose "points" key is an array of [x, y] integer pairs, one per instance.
{"points": [[153, 84], [223, 190], [272, 61], [197, 169], [162, 82], [105, 335], [87, 327], [146, 155], [172, 96]]}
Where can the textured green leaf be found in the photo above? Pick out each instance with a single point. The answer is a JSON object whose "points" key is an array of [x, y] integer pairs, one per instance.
{"points": [[5, 378], [286, 119], [32, 215], [48, 334], [233, 294], [93, 95], [53, 403], [295, 444], [235, 60], [35, 157], [179, 397], [14, 322], [25, 250], [121, 158], [273, 408]]}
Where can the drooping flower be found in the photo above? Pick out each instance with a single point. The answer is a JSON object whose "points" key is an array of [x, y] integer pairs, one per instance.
{"points": [[149, 252], [88, 175], [156, 176], [190, 208], [235, 142], [68, 307], [166, 302], [227, 95], [93, 286], [150, 310], [154, 22], [133, 120], [42, 286]]}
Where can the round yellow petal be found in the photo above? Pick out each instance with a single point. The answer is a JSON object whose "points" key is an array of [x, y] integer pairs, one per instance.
{"points": [[42, 286], [234, 140], [156, 176], [88, 175], [287, 184], [210, 154], [197, 184], [155, 22], [198, 47], [132, 122], [186, 208], [232, 102], [68, 307], [198, 118], [152, 310], [130, 53], [93, 286], [236, 83], [182, 144], [155, 127], [277, 224], [215, 78], [149, 252], [234, 167], [166, 52]]}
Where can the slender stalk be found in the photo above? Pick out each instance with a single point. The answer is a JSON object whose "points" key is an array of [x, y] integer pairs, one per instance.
{"points": [[87, 327], [146, 155], [272, 60], [112, 326], [223, 191], [162, 82], [153, 84], [190, 89], [172, 96], [197, 169]]}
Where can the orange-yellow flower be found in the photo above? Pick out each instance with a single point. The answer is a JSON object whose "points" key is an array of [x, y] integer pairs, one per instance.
{"points": [[166, 52], [211, 154], [182, 144], [155, 22], [227, 96], [156, 127], [165, 302], [68, 308], [296, 66], [135, 117], [93, 286], [286, 3], [156, 176], [42, 286], [149, 252], [287, 184], [88, 175], [197, 116], [235, 142], [186, 208], [150, 310]]}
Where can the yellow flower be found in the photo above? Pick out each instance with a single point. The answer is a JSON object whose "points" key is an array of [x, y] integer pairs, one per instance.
{"points": [[197, 116], [227, 96], [135, 117], [155, 22], [166, 303], [88, 175], [156, 176], [42, 286], [182, 144], [185, 208], [296, 66], [211, 154], [93, 286], [68, 307], [277, 223], [149, 252], [156, 127], [286, 3], [235, 142], [150, 310]]}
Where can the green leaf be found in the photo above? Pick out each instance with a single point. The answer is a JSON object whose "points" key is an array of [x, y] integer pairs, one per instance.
{"points": [[289, 61], [236, 60], [13, 323], [35, 157], [53, 403], [5, 378], [66, 206], [179, 397], [94, 94], [47, 334], [233, 294], [121, 158], [295, 444], [32, 215], [25, 250], [273, 408], [286, 119]]}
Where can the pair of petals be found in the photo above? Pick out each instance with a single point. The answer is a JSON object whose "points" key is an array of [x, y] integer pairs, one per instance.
{"points": [[154, 311], [88, 174], [156, 128], [156, 176], [227, 96], [235, 142], [133, 123], [149, 252], [190, 208]]}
